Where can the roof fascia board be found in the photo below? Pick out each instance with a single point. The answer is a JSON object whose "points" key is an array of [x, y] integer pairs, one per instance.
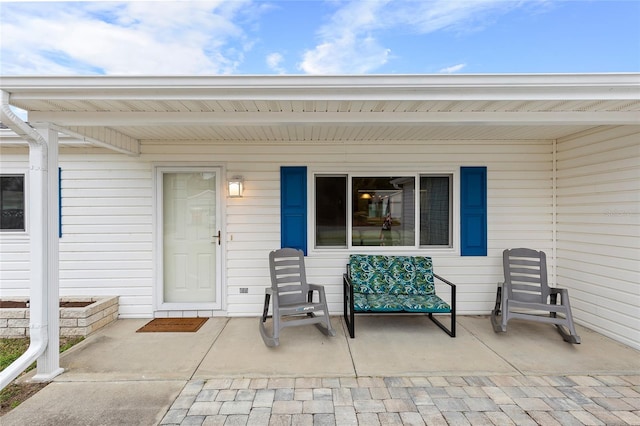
{"points": [[379, 87]]}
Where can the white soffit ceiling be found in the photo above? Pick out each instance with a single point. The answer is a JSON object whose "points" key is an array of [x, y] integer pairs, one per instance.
{"points": [[330, 108], [338, 133]]}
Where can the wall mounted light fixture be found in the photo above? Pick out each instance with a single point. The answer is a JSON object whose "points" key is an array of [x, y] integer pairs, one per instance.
{"points": [[236, 187]]}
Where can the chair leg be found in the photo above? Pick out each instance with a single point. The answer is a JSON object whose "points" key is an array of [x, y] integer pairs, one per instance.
{"points": [[271, 340], [568, 333], [268, 339], [450, 331], [570, 336], [265, 311], [499, 324], [352, 323], [325, 327], [348, 307]]}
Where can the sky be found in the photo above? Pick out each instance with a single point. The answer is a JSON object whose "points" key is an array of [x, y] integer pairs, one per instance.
{"points": [[268, 37]]}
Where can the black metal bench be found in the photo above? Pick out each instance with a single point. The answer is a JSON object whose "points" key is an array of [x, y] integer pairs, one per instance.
{"points": [[379, 284]]}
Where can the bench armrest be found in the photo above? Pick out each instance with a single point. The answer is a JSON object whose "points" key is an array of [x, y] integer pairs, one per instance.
{"points": [[444, 280], [453, 292], [347, 301], [346, 280], [452, 331]]}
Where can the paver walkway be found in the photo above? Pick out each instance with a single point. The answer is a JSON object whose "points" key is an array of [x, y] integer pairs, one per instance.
{"points": [[225, 375], [454, 400]]}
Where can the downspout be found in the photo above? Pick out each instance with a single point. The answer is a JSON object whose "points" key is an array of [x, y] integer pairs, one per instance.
{"points": [[39, 239], [554, 214]]}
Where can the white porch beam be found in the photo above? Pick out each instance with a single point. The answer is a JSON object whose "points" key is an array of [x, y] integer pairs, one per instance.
{"points": [[103, 137], [523, 118]]}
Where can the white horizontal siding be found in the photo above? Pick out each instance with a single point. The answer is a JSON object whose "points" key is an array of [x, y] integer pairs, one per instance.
{"points": [[14, 246], [106, 247], [14, 265], [598, 229], [107, 214], [107, 206], [520, 206]]}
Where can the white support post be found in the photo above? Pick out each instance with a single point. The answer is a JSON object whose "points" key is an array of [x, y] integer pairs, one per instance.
{"points": [[43, 217], [46, 203]]}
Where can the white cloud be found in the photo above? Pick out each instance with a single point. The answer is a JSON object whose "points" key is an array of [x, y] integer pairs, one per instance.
{"points": [[123, 38], [453, 68], [274, 62], [347, 46], [349, 43], [348, 55], [458, 15], [214, 36]]}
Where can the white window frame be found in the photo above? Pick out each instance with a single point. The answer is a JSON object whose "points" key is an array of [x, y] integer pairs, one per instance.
{"points": [[24, 173], [452, 248]]}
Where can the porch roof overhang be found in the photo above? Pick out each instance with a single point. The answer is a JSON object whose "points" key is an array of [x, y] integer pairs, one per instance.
{"points": [[121, 113]]}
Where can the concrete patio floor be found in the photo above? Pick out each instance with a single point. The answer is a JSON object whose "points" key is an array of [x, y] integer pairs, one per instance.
{"points": [[118, 376]]}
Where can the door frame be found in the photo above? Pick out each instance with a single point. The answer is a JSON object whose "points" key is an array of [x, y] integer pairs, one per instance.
{"points": [[158, 265]]}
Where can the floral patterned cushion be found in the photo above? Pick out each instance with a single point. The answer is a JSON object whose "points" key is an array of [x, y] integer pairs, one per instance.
{"points": [[384, 303], [368, 273], [391, 274], [431, 303], [394, 283], [424, 276], [402, 302], [401, 275], [360, 302]]}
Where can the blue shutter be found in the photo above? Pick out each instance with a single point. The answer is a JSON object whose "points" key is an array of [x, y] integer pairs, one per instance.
{"points": [[473, 211], [293, 207]]}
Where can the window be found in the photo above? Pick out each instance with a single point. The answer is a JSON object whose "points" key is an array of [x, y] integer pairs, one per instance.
{"points": [[331, 211], [383, 211], [12, 202], [435, 211]]}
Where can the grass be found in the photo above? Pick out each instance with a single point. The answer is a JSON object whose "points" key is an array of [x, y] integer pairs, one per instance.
{"points": [[10, 350], [15, 393]]}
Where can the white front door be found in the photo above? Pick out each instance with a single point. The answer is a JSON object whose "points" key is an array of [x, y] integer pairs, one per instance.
{"points": [[189, 228]]}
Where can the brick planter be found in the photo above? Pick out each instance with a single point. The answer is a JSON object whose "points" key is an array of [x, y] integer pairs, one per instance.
{"points": [[74, 321]]}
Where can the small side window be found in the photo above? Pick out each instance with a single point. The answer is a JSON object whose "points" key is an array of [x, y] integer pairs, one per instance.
{"points": [[331, 211], [435, 211], [12, 203]]}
